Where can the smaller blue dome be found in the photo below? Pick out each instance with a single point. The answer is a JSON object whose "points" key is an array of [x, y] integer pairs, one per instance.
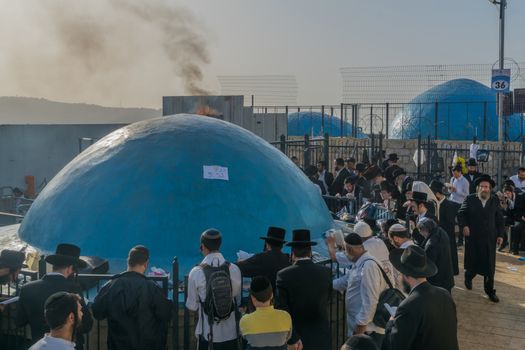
{"points": [[466, 108], [311, 123]]}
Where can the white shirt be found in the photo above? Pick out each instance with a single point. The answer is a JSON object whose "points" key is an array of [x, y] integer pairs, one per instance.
{"points": [[226, 329], [365, 284], [518, 183], [52, 343], [462, 189]]}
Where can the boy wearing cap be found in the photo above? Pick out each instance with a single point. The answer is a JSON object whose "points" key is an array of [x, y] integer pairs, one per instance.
{"points": [[223, 334], [266, 327], [63, 313], [66, 261]]}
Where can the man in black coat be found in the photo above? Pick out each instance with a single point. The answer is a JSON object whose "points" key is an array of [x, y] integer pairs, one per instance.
{"points": [[325, 176], [447, 220], [270, 261], [437, 249], [303, 290], [421, 207], [481, 219], [472, 174], [426, 319], [513, 205], [136, 308], [33, 295], [341, 174]]}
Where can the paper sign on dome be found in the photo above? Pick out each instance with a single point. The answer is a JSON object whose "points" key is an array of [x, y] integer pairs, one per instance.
{"points": [[215, 172]]}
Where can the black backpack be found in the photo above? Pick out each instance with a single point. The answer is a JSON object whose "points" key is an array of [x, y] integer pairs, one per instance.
{"points": [[390, 296], [219, 302]]}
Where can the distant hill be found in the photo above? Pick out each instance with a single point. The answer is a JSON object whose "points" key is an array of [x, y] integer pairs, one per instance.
{"points": [[28, 110]]}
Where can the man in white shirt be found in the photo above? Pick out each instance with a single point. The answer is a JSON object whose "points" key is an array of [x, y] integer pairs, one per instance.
{"points": [[223, 334], [459, 186], [519, 179], [365, 284], [63, 314]]}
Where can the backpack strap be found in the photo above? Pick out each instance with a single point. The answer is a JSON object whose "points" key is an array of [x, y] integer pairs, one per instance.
{"points": [[385, 276]]}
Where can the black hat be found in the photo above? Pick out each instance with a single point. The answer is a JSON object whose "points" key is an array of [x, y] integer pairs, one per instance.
{"points": [[437, 186], [352, 179], [301, 238], [509, 182], [65, 255], [361, 342], [389, 172], [350, 160], [275, 235], [393, 157], [484, 178], [353, 239], [397, 172], [472, 162], [412, 261], [361, 167], [419, 197], [12, 259]]}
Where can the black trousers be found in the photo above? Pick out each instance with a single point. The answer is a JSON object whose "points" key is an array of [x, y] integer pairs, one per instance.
{"points": [[488, 281], [227, 345]]}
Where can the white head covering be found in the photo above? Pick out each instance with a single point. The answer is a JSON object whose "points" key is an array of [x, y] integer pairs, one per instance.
{"points": [[363, 229]]}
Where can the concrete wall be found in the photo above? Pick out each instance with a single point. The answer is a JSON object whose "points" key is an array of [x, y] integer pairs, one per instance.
{"points": [[42, 150]]}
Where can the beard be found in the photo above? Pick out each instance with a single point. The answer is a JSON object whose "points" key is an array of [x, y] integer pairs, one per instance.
{"points": [[483, 195]]}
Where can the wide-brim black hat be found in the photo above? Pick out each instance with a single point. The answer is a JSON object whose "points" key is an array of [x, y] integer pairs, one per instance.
{"points": [[472, 162], [397, 172], [275, 235], [484, 178], [437, 186], [419, 197], [412, 261], [393, 157], [301, 238], [65, 255], [12, 259]]}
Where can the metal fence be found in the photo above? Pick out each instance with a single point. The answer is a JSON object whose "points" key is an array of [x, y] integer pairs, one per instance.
{"points": [[399, 120], [181, 328]]}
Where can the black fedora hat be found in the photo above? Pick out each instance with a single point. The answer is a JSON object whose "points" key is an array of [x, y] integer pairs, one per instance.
{"points": [[65, 255], [412, 261], [275, 235], [12, 259], [419, 197], [484, 178], [393, 157], [301, 238], [472, 162], [437, 186]]}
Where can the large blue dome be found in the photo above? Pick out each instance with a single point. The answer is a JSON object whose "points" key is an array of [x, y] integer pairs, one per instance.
{"points": [[144, 184], [311, 123], [461, 111]]}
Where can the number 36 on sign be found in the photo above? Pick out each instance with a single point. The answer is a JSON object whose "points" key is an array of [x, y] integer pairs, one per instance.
{"points": [[501, 80]]}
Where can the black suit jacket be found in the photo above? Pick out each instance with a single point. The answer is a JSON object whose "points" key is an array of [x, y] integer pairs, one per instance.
{"points": [[437, 248], [31, 305], [447, 221], [266, 264], [472, 187], [303, 290], [425, 320], [339, 182]]}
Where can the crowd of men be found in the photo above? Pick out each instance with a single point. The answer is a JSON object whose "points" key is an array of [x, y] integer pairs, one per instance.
{"points": [[398, 281]]}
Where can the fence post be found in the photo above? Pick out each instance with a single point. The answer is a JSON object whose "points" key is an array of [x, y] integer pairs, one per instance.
{"points": [[283, 144], [42, 267], [306, 151], [175, 324], [436, 123], [418, 157], [286, 115], [428, 157], [186, 317], [341, 120], [322, 119], [387, 119], [326, 150], [485, 121]]}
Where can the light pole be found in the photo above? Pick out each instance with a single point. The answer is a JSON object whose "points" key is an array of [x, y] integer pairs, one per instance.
{"points": [[501, 125]]}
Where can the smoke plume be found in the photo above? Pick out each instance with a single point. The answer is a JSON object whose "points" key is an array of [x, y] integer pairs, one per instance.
{"points": [[128, 52]]}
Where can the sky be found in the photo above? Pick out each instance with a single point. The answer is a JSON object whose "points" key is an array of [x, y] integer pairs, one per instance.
{"points": [[132, 52]]}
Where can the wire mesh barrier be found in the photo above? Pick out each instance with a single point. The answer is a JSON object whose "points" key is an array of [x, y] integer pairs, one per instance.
{"points": [[180, 329]]}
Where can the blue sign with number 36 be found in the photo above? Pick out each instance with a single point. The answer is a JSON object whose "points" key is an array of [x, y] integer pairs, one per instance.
{"points": [[501, 80]]}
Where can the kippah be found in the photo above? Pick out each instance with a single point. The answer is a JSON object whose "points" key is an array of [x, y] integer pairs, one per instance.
{"points": [[260, 284], [54, 298], [211, 233], [353, 239], [397, 228]]}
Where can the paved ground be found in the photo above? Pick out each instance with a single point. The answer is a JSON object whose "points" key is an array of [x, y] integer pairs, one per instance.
{"points": [[485, 325]]}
